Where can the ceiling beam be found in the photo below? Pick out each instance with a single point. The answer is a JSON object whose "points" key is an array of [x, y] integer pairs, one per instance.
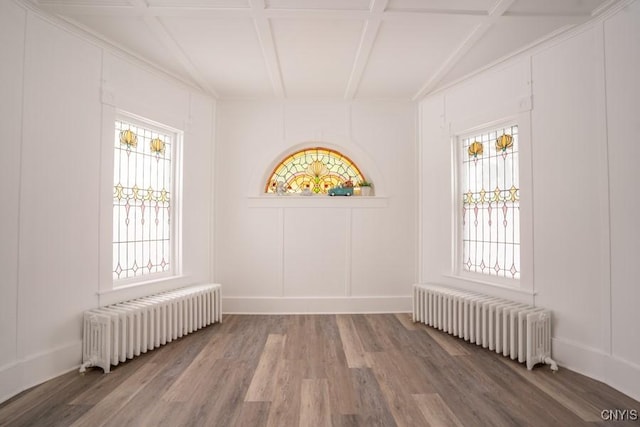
{"points": [[169, 43], [86, 9], [369, 34], [472, 38], [604, 7], [71, 9], [268, 46]]}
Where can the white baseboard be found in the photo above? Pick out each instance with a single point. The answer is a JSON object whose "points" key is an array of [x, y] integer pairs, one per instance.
{"points": [[624, 376], [36, 369], [319, 305], [586, 360], [620, 374]]}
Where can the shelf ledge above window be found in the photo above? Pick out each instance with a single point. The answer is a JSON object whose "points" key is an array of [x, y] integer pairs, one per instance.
{"points": [[293, 201]]}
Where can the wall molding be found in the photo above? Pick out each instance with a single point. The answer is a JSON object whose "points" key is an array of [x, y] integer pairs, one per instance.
{"points": [[290, 201], [316, 305]]}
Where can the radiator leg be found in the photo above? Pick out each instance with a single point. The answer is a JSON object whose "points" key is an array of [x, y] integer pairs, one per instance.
{"points": [[86, 365], [550, 361]]}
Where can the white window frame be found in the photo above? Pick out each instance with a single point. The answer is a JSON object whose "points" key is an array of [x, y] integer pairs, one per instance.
{"points": [[525, 282], [176, 201]]}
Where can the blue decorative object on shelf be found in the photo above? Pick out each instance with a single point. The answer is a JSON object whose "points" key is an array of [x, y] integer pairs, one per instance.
{"points": [[340, 191]]}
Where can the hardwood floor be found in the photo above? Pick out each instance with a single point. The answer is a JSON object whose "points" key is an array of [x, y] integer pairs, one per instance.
{"points": [[318, 370]]}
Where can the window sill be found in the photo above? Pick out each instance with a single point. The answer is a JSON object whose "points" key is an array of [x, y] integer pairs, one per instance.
{"points": [[134, 290], [516, 289], [291, 201]]}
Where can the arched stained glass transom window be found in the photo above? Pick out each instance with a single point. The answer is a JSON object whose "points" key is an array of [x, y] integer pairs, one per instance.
{"points": [[317, 169]]}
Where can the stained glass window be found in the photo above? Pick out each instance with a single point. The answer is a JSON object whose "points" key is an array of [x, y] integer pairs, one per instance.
{"points": [[315, 169], [142, 200], [490, 195]]}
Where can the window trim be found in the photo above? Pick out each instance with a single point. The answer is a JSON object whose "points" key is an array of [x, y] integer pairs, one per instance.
{"points": [[175, 237], [525, 282]]}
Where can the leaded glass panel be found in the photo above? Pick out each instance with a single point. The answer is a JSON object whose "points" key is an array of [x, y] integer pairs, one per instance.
{"points": [[316, 169], [490, 192], [142, 201]]}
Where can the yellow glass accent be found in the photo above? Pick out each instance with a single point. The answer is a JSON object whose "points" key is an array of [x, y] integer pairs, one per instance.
{"points": [[496, 195], [503, 142], [119, 192], [468, 198], [157, 145], [475, 149], [513, 191], [317, 169], [483, 194], [129, 138], [136, 190], [164, 196], [149, 195]]}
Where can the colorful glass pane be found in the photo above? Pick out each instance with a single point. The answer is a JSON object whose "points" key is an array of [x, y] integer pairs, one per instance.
{"points": [[316, 169], [141, 201], [490, 193]]}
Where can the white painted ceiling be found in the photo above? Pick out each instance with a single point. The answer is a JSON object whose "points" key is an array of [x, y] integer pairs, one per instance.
{"points": [[324, 49]]}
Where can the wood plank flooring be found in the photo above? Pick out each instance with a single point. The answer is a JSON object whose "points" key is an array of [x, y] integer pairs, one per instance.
{"points": [[318, 370]]}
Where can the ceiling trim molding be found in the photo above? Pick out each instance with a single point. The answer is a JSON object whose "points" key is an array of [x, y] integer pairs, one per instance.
{"points": [[604, 7], [268, 47], [464, 47], [369, 35], [610, 8], [85, 9], [165, 38], [559, 36], [90, 36], [476, 34]]}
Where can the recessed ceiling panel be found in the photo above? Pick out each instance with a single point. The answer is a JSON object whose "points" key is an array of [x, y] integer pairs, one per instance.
{"points": [[502, 39], [319, 4], [554, 7], [226, 52], [406, 54], [316, 56], [442, 5], [135, 36]]}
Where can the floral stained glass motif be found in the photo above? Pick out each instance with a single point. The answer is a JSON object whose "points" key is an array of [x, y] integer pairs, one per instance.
{"points": [[141, 201], [490, 194], [316, 169]]}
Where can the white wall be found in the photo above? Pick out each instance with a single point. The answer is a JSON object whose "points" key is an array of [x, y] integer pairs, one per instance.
{"points": [[59, 97], [12, 58], [311, 254], [503, 94], [569, 158], [582, 111], [622, 38]]}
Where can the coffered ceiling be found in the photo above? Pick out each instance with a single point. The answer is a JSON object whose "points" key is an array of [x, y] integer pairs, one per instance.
{"points": [[323, 49]]}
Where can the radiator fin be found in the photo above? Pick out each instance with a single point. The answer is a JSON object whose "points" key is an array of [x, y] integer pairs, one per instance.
{"points": [[115, 333], [519, 331]]}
